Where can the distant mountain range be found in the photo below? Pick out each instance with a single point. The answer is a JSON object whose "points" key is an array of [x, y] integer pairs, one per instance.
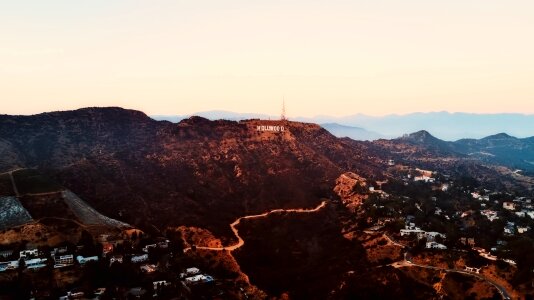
{"points": [[444, 125], [501, 149]]}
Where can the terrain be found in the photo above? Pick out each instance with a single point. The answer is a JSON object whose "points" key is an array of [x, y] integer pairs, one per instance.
{"points": [[235, 193]]}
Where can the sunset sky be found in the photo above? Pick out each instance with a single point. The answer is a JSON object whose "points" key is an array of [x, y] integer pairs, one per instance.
{"points": [[325, 57]]}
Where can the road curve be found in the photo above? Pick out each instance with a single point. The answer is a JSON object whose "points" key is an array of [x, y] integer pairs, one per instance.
{"points": [[240, 241], [408, 263]]}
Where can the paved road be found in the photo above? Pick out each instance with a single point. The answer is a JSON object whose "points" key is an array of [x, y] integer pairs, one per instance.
{"points": [[499, 287], [407, 262], [240, 241]]}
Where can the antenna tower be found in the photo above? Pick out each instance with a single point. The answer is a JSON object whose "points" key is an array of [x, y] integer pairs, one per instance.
{"points": [[283, 116]]}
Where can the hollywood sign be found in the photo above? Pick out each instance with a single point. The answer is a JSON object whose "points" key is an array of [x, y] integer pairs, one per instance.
{"points": [[272, 128]]}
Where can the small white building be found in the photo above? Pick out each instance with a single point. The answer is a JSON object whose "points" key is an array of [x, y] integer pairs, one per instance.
{"points": [[509, 205], [148, 268], [83, 260], [198, 279], [63, 261], [29, 253], [522, 229], [434, 245], [474, 270], [116, 259], [157, 284], [145, 249], [36, 263], [139, 258], [490, 214]]}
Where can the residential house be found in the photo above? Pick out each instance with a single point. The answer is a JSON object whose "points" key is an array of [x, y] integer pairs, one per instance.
{"points": [[6, 253], [116, 259], [522, 229], [63, 261], [490, 214], [198, 279], [83, 260], [434, 245], [36, 263], [29, 253], [509, 205], [148, 268], [139, 258]]}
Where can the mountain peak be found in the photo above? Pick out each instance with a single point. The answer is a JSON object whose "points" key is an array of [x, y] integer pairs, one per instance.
{"points": [[500, 136], [421, 136]]}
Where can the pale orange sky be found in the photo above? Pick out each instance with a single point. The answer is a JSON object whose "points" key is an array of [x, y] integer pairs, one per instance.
{"points": [[326, 57]]}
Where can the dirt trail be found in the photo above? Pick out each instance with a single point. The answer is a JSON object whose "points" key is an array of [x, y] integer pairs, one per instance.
{"points": [[241, 242]]}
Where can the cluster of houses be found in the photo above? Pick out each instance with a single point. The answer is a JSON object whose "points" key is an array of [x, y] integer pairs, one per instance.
{"points": [[33, 259], [521, 207], [193, 276], [430, 236]]}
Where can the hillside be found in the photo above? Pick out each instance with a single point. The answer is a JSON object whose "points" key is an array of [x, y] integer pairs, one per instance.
{"points": [[197, 172], [499, 149]]}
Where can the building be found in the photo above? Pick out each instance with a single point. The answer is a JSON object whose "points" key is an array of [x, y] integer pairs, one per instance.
{"points": [[139, 258], [509, 205], [473, 270], [29, 253], [10, 265], [434, 245], [522, 229], [490, 214], [151, 246], [63, 261], [160, 283], [116, 259], [36, 263], [148, 268], [83, 260], [198, 279], [6, 253]]}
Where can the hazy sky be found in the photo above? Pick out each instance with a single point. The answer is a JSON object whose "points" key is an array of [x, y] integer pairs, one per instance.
{"points": [[326, 57]]}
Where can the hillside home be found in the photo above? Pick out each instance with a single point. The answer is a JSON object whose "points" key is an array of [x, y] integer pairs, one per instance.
{"points": [[83, 260], [434, 245], [151, 246], [36, 263], [509, 205], [116, 259], [139, 258], [6, 253], [490, 214], [198, 279], [28, 253], [63, 261], [471, 269], [522, 229], [148, 268]]}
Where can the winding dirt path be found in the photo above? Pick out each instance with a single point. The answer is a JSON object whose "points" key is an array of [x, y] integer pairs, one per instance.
{"points": [[240, 241]]}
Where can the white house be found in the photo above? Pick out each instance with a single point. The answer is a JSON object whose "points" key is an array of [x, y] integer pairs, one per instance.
{"points": [[29, 253], [145, 249], [199, 279], [36, 263], [434, 245], [474, 270], [509, 205], [83, 260], [116, 259], [139, 258], [148, 268], [522, 229], [63, 261], [490, 214]]}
